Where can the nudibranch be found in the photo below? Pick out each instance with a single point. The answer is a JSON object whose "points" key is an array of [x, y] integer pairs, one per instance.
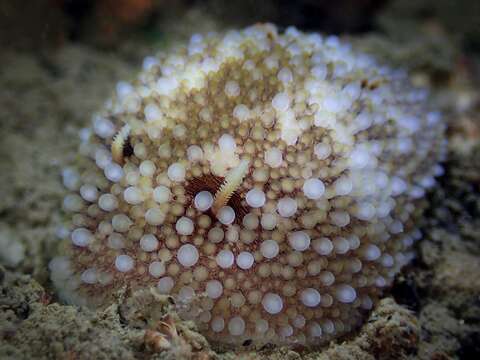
{"points": [[270, 182]]}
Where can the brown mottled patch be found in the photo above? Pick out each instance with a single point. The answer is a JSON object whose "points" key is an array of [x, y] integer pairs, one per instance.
{"points": [[212, 184]]}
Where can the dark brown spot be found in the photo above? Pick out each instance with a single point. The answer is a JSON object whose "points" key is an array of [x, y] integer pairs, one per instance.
{"points": [[247, 342], [127, 148]]}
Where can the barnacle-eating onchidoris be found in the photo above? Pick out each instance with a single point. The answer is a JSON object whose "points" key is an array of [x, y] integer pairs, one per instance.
{"points": [[269, 182]]}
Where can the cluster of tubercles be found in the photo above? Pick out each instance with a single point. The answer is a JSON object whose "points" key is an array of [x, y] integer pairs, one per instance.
{"points": [[269, 189]]}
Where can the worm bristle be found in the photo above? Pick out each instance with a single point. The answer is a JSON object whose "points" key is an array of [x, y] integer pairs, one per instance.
{"points": [[118, 144], [231, 183]]}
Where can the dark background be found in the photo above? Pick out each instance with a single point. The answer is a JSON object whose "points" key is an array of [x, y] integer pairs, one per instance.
{"points": [[47, 24]]}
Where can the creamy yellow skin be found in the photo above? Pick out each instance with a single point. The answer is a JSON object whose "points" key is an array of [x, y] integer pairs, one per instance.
{"points": [[321, 155]]}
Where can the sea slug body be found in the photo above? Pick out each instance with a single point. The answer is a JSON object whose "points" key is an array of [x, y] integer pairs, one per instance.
{"points": [[269, 182]]}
